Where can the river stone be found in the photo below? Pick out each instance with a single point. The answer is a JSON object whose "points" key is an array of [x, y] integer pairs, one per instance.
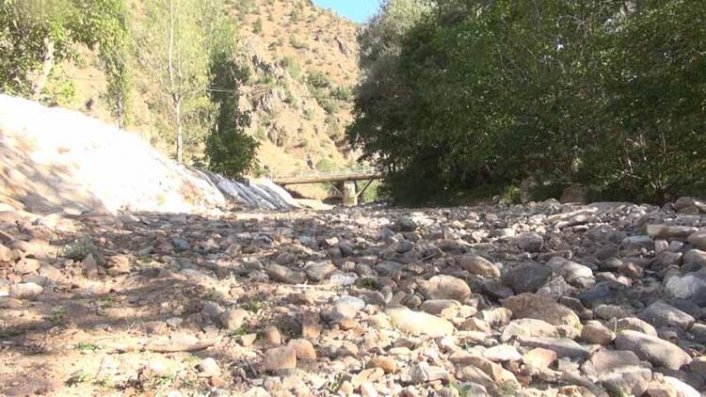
{"points": [[441, 307], [233, 319], [476, 264], [527, 277], [446, 287], [661, 314], [698, 240], [571, 271], [529, 242], [419, 323], [626, 381], [279, 358], [563, 347], [28, 290], [604, 361], [653, 349], [283, 274], [543, 308], [319, 271], [597, 333], [669, 231], [695, 257], [528, 327], [633, 324], [691, 286]]}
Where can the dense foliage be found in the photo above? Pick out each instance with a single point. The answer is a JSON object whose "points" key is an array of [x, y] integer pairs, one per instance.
{"points": [[36, 34], [471, 94], [229, 149]]}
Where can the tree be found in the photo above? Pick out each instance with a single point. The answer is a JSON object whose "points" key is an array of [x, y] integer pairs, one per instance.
{"points": [[35, 35], [229, 150], [474, 93], [173, 45]]}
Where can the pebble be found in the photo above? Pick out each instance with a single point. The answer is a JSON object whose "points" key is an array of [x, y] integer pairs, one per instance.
{"points": [[446, 287], [478, 265], [208, 367], [419, 323]]}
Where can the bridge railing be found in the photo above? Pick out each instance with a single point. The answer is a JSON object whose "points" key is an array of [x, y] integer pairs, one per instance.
{"points": [[328, 173]]}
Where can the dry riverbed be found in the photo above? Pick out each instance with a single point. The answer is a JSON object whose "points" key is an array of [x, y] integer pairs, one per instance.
{"points": [[538, 300]]}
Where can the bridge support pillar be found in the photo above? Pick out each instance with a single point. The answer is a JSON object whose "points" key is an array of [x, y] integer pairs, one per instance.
{"points": [[350, 196]]}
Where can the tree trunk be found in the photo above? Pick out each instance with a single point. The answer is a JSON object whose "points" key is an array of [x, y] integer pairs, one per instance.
{"points": [[47, 65], [176, 97], [179, 134]]}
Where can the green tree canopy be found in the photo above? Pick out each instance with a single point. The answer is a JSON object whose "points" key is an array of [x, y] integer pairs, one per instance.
{"points": [[485, 93]]}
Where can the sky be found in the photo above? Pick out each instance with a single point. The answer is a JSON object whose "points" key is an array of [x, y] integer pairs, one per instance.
{"points": [[356, 10]]}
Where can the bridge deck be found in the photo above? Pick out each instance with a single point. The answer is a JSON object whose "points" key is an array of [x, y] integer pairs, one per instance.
{"points": [[319, 177]]}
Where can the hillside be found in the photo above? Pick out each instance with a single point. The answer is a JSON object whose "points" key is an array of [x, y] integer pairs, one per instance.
{"points": [[303, 66], [304, 61]]}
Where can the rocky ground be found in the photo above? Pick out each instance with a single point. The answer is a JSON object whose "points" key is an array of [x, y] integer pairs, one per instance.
{"points": [[537, 300]]}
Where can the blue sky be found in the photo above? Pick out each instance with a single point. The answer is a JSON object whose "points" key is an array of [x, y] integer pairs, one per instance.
{"points": [[356, 10]]}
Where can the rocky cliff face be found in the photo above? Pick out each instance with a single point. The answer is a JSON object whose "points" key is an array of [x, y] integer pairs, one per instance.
{"points": [[304, 66]]}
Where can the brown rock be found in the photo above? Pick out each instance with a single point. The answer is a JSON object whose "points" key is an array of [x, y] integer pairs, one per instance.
{"points": [[118, 264], [478, 265], [272, 336], [311, 328], [446, 287], [233, 319], [543, 308], [597, 333], [657, 389], [89, 266], [279, 358], [387, 364], [528, 327], [304, 349], [248, 340], [539, 358]]}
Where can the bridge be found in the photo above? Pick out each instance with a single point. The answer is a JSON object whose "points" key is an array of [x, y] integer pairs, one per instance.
{"points": [[343, 181]]}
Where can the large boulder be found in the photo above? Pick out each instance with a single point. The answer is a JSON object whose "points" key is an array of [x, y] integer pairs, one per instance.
{"points": [[543, 308], [657, 351], [527, 277]]}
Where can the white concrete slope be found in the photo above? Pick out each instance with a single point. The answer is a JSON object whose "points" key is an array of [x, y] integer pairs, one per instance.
{"points": [[54, 159]]}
